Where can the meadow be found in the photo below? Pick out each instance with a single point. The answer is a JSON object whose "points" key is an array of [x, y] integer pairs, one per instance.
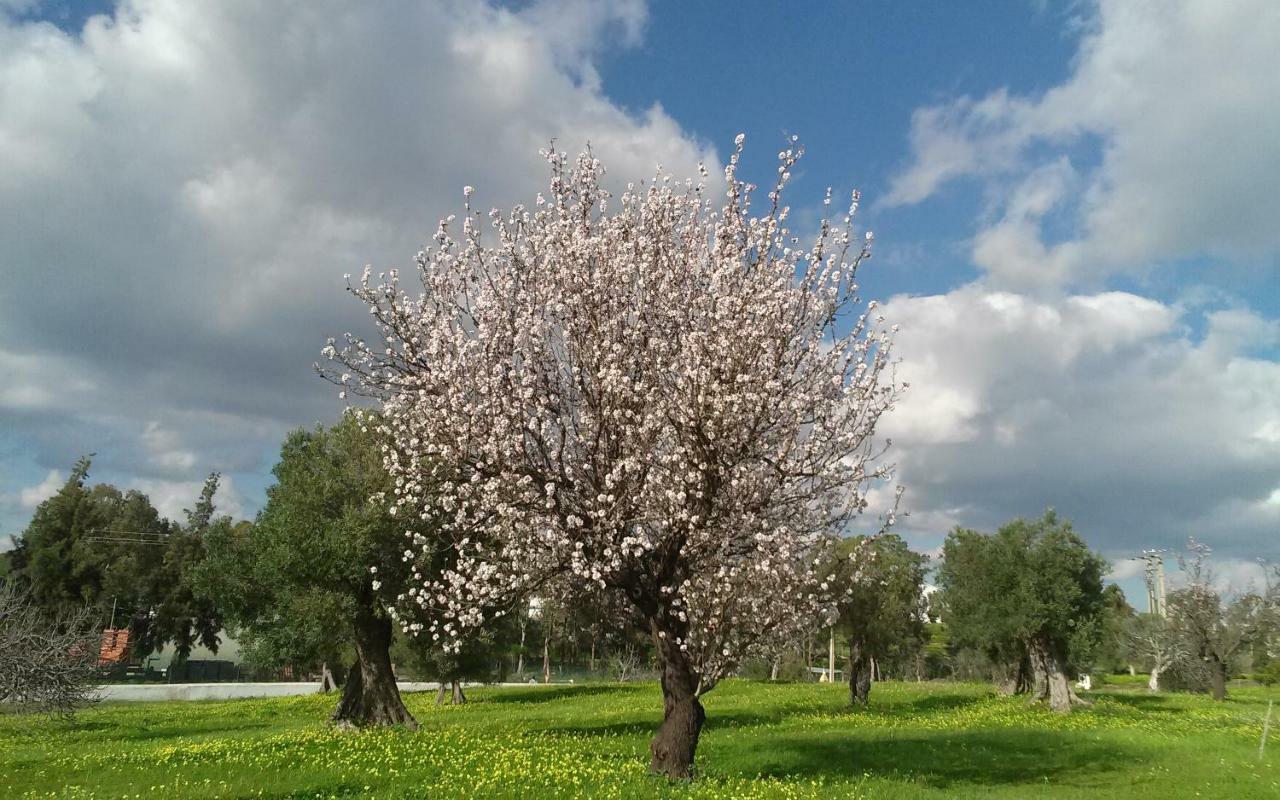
{"points": [[762, 740]]}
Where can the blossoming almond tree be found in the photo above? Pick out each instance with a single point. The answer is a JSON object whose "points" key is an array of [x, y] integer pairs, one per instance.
{"points": [[658, 395]]}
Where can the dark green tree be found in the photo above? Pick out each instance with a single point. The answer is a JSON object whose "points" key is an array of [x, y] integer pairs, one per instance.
{"points": [[880, 586], [1029, 596], [53, 543], [321, 564], [180, 613], [1113, 651], [101, 547]]}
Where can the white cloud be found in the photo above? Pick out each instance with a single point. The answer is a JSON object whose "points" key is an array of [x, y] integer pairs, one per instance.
{"points": [[164, 447], [33, 496], [1145, 421], [171, 498], [34, 383], [1182, 99], [1104, 406], [1126, 568], [186, 183]]}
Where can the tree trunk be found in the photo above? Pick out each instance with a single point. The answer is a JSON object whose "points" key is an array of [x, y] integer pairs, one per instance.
{"points": [[520, 660], [370, 695], [676, 742], [1217, 678], [327, 683], [1038, 674], [1024, 680], [1021, 682], [859, 675], [1153, 683], [458, 697], [546, 659], [1051, 680], [773, 671]]}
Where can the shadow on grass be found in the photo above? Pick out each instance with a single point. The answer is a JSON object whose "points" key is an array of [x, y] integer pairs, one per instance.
{"points": [[943, 761], [546, 694], [649, 725], [926, 704], [1143, 702], [104, 732]]}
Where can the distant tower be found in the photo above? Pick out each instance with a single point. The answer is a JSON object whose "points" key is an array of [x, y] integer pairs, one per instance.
{"points": [[1155, 580]]}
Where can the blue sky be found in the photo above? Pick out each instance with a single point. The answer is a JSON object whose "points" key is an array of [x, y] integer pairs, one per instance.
{"points": [[1073, 207]]}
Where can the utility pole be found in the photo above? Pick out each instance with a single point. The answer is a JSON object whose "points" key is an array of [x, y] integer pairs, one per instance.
{"points": [[1154, 575], [1160, 585]]}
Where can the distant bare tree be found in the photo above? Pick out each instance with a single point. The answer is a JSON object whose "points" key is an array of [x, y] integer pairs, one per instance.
{"points": [[48, 661], [1154, 640], [626, 663], [1215, 632]]}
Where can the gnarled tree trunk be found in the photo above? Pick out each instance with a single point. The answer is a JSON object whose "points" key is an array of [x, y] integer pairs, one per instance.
{"points": [[673, 747], [327, 682], [859, 675], [1153, 682], [1022, 681], [1051, 681], [370, 695]]}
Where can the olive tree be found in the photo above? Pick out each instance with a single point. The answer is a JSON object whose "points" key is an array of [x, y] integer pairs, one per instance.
{"points": [[879, 585], [658, 394], [312, 577], [1030, 596]]}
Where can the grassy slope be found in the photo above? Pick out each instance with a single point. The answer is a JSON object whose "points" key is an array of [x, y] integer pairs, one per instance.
{"points": [[916, 741]]}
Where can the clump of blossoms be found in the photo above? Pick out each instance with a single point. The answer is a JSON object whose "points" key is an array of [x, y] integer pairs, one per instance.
{"points": [[660, 395]]}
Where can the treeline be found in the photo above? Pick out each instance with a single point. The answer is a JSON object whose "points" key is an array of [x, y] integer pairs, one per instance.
{"points": [[310, 585], [1027, 606], [305, 589], [112, 551]]}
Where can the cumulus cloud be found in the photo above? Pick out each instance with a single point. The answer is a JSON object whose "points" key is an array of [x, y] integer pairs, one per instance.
{"points": [[1180, 101], [172, 498], [1104, 405], [32, 496], [184, 185], [1144, 421]]}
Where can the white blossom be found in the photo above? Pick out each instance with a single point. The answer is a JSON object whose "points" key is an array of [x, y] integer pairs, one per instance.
{"points": [[641, 391]]}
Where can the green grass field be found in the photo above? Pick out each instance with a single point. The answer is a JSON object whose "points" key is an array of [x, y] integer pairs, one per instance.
{"points": [[761, 740]]}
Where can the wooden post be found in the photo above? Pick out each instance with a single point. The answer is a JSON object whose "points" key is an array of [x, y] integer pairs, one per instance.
{"points": [[546, 657], [1266, 727], [831, 656]]}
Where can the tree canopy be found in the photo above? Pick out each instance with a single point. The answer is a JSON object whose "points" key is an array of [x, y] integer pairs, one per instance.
{"points": [[112, 550], [879, 585], [1030, 596], [309, 581], [658, 393]]}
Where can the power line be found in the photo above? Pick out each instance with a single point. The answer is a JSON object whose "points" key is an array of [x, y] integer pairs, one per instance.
{"points": [[128, 537]]}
